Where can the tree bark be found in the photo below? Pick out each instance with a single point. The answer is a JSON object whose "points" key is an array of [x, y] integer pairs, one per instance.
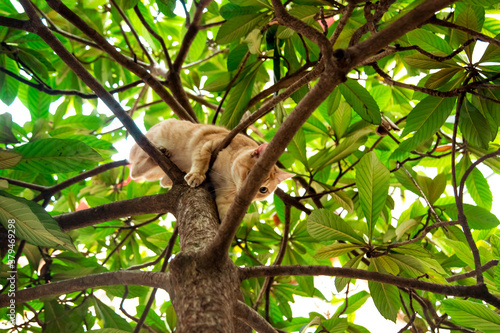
{"points": [[204, 292]]}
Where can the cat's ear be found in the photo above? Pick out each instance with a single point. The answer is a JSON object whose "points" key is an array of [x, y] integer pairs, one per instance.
{"points": [[259, 150], [283, 175]]}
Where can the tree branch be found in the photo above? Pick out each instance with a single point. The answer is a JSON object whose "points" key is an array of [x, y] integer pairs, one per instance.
{"points": [[474, 291], [252, 318], [483, 37], [141, 72], [284, 18], [49, 91], [283, 136], [484, 268], [40, 29], [151, 204], [411, 20], [47, 192], [190, 35], [150, 279]]}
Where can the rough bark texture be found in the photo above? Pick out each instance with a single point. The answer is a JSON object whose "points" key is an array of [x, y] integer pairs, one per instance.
{"points": [[204, 292]]}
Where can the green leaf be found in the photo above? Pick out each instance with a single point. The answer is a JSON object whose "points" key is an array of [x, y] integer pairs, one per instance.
{"points": [[354, 302], [341, 282], [230, 10], [341, 119], [56, 155], [9, 86], [347, 146], [470, 314], [36, 101], [167, 7], [297, 147], [425, 119], [432, 188], [421, 61], [385, 296], [474, 126], [429, 42], [479, 189], [442, 77], [6, 135], [361, 101], [238, 100], [335, 250], [477, 217], [237, 27], [109, 316], [9, 159], [429, 112], [343, 200], [471, 17], [32, 223], [325, 225], [372, 178]]}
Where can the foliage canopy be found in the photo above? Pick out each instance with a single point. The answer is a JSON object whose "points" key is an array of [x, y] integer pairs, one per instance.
{"points": [[367, 98]]}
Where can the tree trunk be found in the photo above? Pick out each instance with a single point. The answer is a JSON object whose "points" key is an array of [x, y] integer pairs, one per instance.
{"points": [[203, 292]]}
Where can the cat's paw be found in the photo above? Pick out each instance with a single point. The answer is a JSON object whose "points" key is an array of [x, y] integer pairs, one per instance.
{"points": [[194, 179]]}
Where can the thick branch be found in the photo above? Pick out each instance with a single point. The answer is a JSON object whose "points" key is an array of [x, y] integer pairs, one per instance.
{"points": [[190, 35], [475, 291], [410, 21], [283, 18], [49, 191], [151, 204], [275, 148], [252, 318], [140, 278]]}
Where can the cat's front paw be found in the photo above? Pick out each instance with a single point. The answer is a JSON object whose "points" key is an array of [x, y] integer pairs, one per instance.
{"points": [[194, 179]]}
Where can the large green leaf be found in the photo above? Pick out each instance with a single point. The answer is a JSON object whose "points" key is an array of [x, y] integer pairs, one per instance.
{"points": [[372, 178], [9, 159], [9, 86], [239, 26], [6, 135], [361, 101], [354, 302], [110, 318], [36, 101], [336, 250], [429, 42], [471, 17], [56, 155], [385, 296], [470, 314], [325, 225], [32, 223], [479, 189], [238, 100], [297, 147], [474, 126], [347, 146], [341, 282], [425, 119], [477, 217]]}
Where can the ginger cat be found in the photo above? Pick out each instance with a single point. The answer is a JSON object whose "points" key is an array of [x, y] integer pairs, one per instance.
{"points": [[190, 147]]}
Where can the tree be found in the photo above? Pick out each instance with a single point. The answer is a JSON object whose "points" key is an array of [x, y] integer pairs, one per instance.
{"points": [[359, 94]]}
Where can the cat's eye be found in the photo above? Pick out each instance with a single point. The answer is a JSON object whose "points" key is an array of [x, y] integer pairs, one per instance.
{"points": [[263, 189]]}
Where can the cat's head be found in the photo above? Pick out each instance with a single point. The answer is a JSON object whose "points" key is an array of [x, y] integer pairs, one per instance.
{"points": [[245, 161]]}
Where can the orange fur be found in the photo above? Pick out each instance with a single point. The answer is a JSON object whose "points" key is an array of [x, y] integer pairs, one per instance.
{"points": [[190, 147]]}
